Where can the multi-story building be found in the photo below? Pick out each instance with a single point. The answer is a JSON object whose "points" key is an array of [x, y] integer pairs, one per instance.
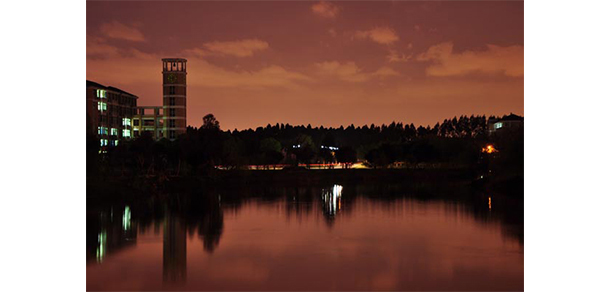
{"points": [[113, 114], [169, 120], [109, 113]]}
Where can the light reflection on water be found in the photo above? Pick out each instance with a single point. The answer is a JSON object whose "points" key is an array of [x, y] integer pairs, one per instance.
{"points": [[339, 239]]}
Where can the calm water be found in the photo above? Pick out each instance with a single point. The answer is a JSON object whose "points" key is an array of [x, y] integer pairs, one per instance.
{"points": [[336, 237]]}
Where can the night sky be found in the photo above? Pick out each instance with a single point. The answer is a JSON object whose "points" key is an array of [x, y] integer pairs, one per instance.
{"points": [[319, 63]]}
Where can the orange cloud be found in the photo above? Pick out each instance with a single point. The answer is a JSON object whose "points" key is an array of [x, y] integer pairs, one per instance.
{"points": [[117, 30], [325, 9], [138, 67], [350, 72], [385, 71], [97, 47], [381, 35], [394, 56], [240, 48], [496, 59]]}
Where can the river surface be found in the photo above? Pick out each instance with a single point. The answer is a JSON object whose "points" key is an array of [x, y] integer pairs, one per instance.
{"points": [[334, 237]]}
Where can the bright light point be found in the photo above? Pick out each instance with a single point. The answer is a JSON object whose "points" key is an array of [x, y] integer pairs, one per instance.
{"points": [[332, 199], [489, 149]]}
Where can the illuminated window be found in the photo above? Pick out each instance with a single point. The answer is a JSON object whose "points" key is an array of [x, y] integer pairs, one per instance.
{"points": [[498, 125], [114, 132], [126, 133], [126, 122], [102, 130], [102, 106], [101, 93], [103, 142], [115, 142]]}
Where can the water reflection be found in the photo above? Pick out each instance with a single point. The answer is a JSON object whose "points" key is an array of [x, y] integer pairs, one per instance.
{"points": [[112, 235], [174, 249], [331, 200], [194, 241]]}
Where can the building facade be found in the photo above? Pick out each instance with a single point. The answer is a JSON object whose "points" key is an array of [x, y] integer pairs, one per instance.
{"points": [[109, 113]]}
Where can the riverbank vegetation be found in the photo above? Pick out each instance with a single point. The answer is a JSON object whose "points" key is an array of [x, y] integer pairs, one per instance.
{"points": [[455, 143]]}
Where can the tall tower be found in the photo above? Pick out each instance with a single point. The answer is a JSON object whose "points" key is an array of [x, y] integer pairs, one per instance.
{"points": [[174, 97]]}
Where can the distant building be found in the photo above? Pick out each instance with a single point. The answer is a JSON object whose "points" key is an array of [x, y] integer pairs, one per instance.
{"points": [[511, 121], [113, 114], [109, 113]]}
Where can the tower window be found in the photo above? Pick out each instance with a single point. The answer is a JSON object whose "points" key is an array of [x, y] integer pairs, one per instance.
{"points": [[172, 123], [172, 90], [172, 112], [172, 101], [172, 134]]}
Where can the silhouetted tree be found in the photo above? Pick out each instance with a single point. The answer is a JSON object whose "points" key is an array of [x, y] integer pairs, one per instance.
{"points": [[210, 122]]}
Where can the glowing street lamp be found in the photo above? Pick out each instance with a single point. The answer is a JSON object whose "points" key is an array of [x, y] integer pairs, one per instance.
{"points": [[489, 149]]}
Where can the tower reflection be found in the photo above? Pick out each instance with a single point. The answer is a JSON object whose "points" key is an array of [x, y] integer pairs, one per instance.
{"points": [[174, 249]]}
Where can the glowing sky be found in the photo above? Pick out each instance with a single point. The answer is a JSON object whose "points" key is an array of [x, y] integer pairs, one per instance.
{"points": [[319, 63]]}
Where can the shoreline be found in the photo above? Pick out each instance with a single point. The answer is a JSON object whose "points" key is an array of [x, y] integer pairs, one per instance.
{"points": [[106, 188]]}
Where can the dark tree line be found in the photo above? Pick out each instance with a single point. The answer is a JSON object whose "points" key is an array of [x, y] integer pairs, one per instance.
{"points": [[456, 141]]}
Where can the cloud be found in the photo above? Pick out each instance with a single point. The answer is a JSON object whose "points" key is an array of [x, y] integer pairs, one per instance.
{"points": [[385, 71], [209, 75], [325, 9], [130, 66], [350, 72], [117, 30], [347, 71], [394, 56], [97, 47], [381, 35], [496, 59], [332, 32], [239, 48]]}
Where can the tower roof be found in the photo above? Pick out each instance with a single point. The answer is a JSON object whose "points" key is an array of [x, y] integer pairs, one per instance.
{"points": [[173, 59]]}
